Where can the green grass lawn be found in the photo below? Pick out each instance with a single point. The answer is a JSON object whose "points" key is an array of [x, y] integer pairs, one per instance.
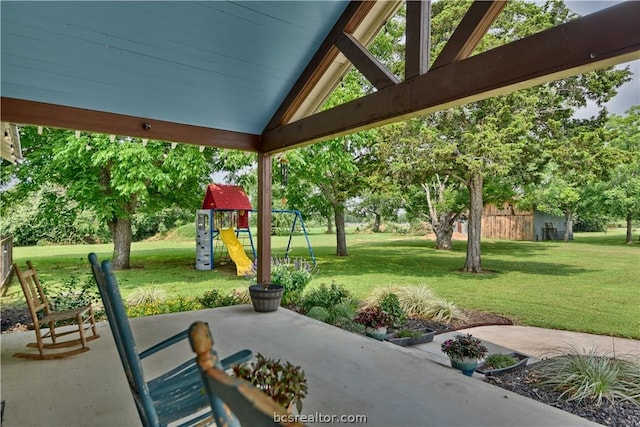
{"points": [[591, 284]]}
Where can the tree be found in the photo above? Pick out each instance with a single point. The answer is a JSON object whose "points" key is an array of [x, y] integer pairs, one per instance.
{"points": [[502, 138], [114, 178], [622, 190]]}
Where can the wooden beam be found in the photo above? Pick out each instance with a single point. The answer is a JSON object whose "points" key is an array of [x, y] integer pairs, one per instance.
{"points": [[353, 15], [43, 114], [474, 25], [595, 41], [264, 219], [418, 33], [365, 62]]}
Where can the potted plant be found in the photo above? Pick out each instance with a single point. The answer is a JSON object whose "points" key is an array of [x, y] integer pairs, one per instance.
{"points": [[288, 281], [499, 363], [464, 352], [406, 337], [285, 383], [376, 322]]}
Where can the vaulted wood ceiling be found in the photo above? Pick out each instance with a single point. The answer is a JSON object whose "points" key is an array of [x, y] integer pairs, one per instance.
{"points": [[252, 75]]}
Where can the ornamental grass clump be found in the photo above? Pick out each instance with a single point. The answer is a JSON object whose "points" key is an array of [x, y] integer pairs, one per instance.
{"points": [[591, 377], [464, 346]]}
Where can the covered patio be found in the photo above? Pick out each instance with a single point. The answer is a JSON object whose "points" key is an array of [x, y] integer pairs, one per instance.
{"points": [[252, 76], [348, 374]]}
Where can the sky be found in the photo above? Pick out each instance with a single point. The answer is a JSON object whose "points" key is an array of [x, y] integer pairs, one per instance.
{"points": [[629, 93]]}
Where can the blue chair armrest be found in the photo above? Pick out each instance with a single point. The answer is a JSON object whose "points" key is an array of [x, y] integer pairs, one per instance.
{"points": [[164, 344]]}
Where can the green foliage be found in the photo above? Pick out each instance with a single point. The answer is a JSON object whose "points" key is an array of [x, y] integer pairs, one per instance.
{"points": [[148, 224], [48, 216], [334, 315], [294, 275], [441, 310], [325, 296], [213, 298], [538, 283], [76, 291], [504, 141], [499, 361], [591, 377], [174, 305], [415, 300], [390, 304], [112, 179], [285, 383], [407, 333], [144, 295], [373, 317], [464, 345]]}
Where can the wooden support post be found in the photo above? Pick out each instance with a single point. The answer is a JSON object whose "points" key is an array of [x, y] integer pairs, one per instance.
{"points": [[264, 218], [418, 32]]}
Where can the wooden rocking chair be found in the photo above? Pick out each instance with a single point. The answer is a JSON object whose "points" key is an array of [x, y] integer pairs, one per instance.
{"points": [[81, 319]]}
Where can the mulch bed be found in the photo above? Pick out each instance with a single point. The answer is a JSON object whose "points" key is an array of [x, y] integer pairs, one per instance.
{"points": [[15, 319], [618, 414]]}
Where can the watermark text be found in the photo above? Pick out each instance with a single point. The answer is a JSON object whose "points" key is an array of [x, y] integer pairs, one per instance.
{"points": [[320, 418]]}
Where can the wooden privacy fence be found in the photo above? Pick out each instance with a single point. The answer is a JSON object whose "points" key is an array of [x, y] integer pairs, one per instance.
{"points": [[507, 223]]}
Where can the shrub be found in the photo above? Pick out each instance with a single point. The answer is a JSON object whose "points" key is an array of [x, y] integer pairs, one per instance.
{"points": [[73, 293], [391, 305], [294, 275], [326, 296], [176, 305], [591, 377], [336, 314], [373, 317], [213, 298], [374, 298]]}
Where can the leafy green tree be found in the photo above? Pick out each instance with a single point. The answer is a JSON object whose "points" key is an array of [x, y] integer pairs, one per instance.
{"points": [[622, 190], [113, 178], [47, 215], [505, 138]]}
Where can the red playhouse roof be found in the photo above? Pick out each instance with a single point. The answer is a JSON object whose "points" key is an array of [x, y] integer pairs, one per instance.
{"points": [[230, 197]]}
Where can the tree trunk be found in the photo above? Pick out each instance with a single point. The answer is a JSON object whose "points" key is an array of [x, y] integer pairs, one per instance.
{"points": [[121, 233], [473, 262], [329, 225], [441, 222], [568, 225], [377, 219], [443, 230], [341, 237], [629, 221]]}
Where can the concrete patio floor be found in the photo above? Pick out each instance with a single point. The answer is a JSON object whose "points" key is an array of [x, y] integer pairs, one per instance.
{"points": [[348, 374]]}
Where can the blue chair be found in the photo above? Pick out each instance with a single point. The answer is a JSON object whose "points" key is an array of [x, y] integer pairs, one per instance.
{"points": [[227, 393], [177, 395]]}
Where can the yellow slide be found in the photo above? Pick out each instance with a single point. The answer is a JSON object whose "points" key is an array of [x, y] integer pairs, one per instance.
{"points": [[236, 251]]}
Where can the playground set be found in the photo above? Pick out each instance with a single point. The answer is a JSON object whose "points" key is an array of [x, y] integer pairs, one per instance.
{"points": [[222, 226]]}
